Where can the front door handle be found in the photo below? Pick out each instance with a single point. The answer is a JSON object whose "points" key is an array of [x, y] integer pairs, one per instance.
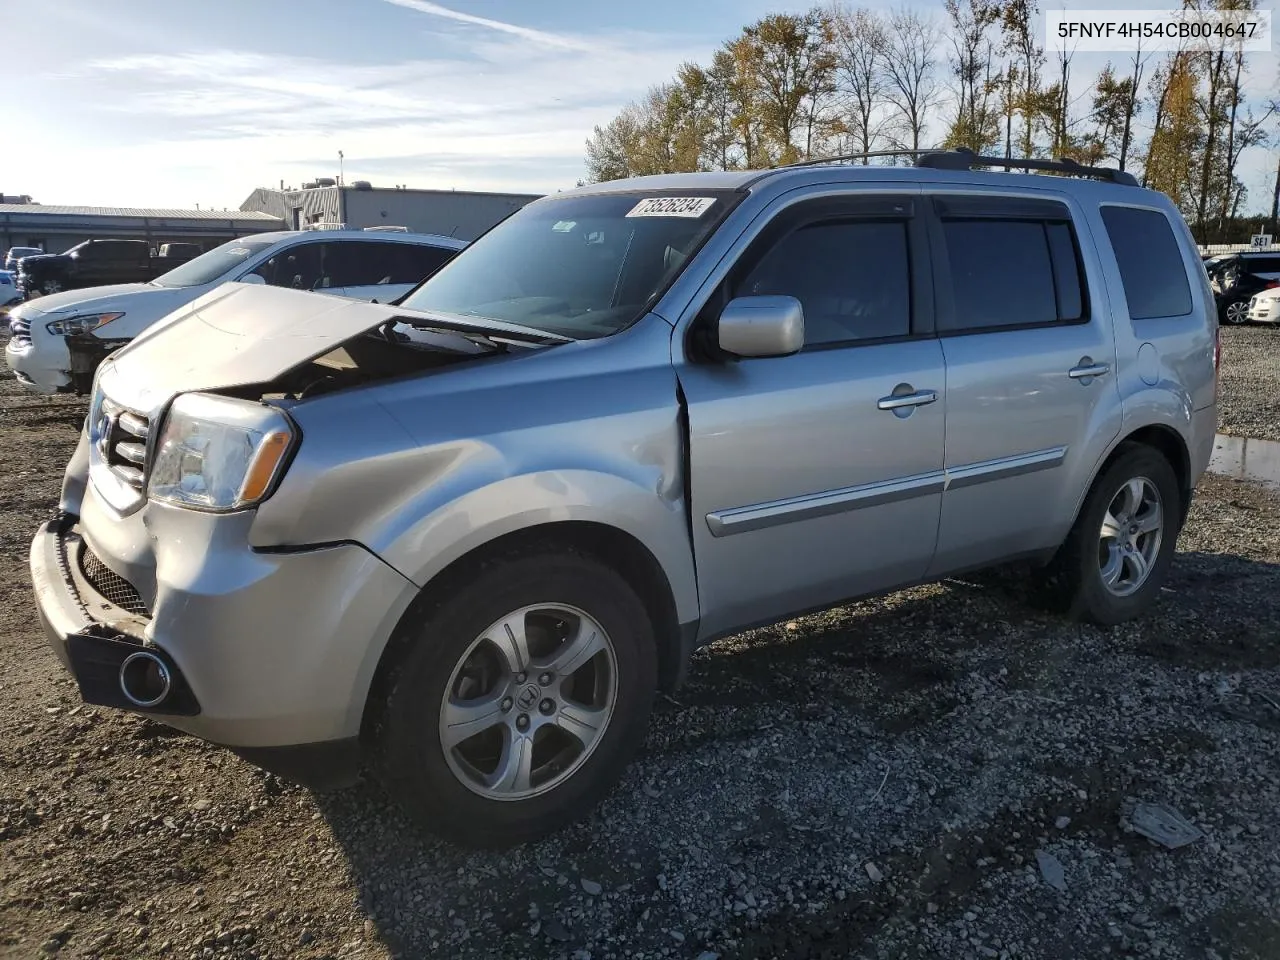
{"points": [[900, 400], [1087, 369]]}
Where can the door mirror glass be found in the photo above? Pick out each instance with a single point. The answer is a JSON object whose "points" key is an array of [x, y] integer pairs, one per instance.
{"points": [[769, 326]]}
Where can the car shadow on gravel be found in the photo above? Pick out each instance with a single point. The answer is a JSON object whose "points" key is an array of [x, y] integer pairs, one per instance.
{"points": [[894, 663]]}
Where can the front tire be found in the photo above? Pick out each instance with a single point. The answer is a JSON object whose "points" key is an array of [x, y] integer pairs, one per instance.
{"points": [[1117, 555], [520, 699]]}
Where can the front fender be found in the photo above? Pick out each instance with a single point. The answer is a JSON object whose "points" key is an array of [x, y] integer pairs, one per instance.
{"points": [[428, 545]]}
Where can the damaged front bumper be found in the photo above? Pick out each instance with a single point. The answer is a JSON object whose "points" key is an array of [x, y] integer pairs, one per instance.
{"points": [[49, 364], [86, 354], [269, 655], [43, 368]]}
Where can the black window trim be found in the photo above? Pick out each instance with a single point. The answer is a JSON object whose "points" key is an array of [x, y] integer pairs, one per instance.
{"points": [[971, 207], [820, 211]]}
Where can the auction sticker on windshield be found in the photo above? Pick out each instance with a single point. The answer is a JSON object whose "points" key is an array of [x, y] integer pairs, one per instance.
{"points": [[693, 207]]}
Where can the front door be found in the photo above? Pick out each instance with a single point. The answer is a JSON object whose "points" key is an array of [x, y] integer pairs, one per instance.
{"points": [[1032, 400], [818, 476]]}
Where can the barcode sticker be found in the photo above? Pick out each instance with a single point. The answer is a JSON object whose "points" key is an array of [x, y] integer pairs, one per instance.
{"points": [[692, 207]]}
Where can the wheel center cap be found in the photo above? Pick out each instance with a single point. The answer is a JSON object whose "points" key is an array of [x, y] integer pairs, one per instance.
{"points": [[528, 697]]}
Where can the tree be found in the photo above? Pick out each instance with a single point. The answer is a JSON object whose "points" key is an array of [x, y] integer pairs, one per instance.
{"points": [[974, 124], [1177, 140], [910, 64], [710, 93], [1052, 106], [1114, 107], [861, 40], [649, 137], [1017, 26], [794, 65]]}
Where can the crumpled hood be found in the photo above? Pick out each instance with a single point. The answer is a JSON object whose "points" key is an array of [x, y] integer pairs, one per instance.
{"points": [[95, 299], [239, 335]]}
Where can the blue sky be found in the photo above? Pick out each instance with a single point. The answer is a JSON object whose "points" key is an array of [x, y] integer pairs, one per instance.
{"points": [[163, 103]]}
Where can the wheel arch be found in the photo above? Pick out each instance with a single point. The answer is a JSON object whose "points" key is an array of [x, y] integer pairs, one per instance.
{"points": [[611, 546], [1160, 437]]}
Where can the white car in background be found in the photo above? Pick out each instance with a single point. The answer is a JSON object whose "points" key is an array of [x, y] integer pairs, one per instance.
{"points": [[57, 341], [1264, 307], [9, 292]]}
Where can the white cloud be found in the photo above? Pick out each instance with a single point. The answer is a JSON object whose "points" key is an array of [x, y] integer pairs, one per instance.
{"points": [[489, 105], [526, 33]]}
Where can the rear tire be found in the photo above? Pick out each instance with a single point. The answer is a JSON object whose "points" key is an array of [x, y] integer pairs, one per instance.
{"points": [[1236, 313], [1117, 555], [460, 715]]}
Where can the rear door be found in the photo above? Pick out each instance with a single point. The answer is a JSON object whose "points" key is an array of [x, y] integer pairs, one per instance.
{"points": [[120, 261], [818, 476], [1032, 401]]}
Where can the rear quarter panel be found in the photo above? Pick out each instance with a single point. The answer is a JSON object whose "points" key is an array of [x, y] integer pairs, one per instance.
{"points": [[1165, 365]]}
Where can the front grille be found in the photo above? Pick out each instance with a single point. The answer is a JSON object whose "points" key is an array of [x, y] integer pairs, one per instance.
{"points": [[115, 588], [20, 330], [122, 443]]}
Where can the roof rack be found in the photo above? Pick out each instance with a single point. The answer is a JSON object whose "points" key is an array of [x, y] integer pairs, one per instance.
{"points": [[961, 158], [843, 157]]}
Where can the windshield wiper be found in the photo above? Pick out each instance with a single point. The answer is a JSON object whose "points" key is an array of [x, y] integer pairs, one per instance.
{"points": [[483, 326]]}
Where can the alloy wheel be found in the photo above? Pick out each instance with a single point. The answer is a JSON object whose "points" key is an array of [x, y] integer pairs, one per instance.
{"points": [[528, 701], [1130, 538]]}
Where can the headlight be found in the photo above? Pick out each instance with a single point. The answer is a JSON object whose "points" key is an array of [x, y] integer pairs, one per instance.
{"points": [[219, 454], [81, 324]]}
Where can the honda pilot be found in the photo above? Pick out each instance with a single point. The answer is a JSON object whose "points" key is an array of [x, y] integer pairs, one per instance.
{"points": [[464, 539]]}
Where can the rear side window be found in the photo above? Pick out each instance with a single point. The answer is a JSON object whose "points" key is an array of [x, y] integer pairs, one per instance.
{"points": [[364, 263], [852, 279], [1155, 281], [1011, 273], [1262, 265]]}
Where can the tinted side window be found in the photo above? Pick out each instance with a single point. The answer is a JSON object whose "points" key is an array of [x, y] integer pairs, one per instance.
{"points": [[346, 264], [1003, 275], [1155, 283], [418, 263], [118, 250], [399, 263], [852, 278], [298, 266]]}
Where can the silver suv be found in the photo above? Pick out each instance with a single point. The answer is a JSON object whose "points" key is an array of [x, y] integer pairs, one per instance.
{"points": [[468, 536]]}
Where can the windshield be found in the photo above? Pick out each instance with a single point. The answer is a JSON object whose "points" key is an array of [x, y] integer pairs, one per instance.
{"points": [[581, 267], [212, 265]]}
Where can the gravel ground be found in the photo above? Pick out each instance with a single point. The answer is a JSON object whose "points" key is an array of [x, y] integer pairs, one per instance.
{"points": [[876, 781], [1249, 390]]}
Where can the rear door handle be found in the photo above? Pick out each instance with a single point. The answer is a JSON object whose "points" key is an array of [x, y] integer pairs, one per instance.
{"points": [[898, 401], [1086, 370]]}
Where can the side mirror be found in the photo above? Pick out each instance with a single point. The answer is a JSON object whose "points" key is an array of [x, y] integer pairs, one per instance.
{"points": [[254, 278], [761, 327]]}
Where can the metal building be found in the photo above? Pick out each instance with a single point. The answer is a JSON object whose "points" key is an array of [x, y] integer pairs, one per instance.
{"points": [[453, 213], [55, 229]]}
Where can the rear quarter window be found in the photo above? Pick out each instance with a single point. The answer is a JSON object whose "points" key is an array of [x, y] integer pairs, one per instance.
{"points": [[1151, 267]]}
